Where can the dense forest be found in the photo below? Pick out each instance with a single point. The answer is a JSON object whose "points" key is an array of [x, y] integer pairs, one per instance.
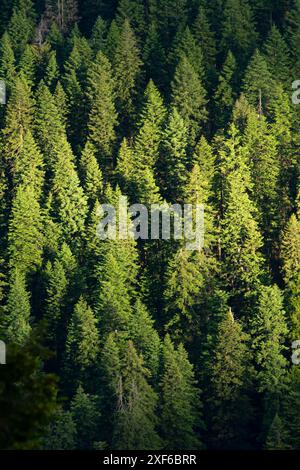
{"points": [[143, 344]]}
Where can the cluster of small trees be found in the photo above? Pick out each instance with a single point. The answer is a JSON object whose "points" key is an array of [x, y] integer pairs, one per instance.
{"points": [[185, 102]]}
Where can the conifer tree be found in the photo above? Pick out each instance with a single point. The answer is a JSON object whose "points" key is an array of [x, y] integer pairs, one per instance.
{"points": [[189, 97], [205, 38], [60, 100], [145, 337], [259, 83], [241, 240], [7, 61], [225, 92], [25, 233], [291, 268], [238, 29], [228, 384], [91, 175], [277, 436], [134, 11], [277, 56], [61, 434], [85, 415], [150, 126], [263, 160], [135, 419], [186, 45], [18, 118], [174, 162], [82, 342], [17, 312], [51, 70], [293, 33], [98, 37], [180, 405], [28, 64], [127, 66], [172, 16], [21, 25], [55, 301], [102, 116], [269, 330]]}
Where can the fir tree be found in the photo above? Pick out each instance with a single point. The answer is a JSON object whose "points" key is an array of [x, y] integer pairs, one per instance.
{"points": [[7, 61], [82, 342], [228, 384], [238, 29], [25, 231], [189, 97], [225, 93], [91, 175], [102, 116], [127, 66], [135, 420], [180, 399], [85, 415], [18, 310]]}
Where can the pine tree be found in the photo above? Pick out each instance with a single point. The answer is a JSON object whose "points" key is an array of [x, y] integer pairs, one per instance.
{"points": [[99, 34], [184, 44], [145, 337], [28, 169], [205, 38], [225, 93], [277, 436], [291, 408], [134, 12], [135, 420], [293, 33], [18, 119], [60, 100], [17, 312], [51, 70], [150, 126], [7, 61], [228, 384], [277, 56], [263, 160], [174, 162], [28, 64], [85, 415], [21, 25], [127, 66], [91, 175], [180, 402], [82, 342], [25, 233], [189, 97], [269, 330], [241, 240], [238, 29], [55, 300], [172, 16], [61, 434], [291, 268], [69, 202], [102, 116], [258, 83]]}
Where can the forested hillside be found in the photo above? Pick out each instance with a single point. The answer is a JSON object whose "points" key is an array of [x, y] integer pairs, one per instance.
{"points": [[154, 346]]}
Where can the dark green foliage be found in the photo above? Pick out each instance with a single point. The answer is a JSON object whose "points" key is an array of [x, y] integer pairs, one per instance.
{"points": [[158, 343], [27, 397]]}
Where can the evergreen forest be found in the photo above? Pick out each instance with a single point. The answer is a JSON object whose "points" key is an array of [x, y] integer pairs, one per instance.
{"points": [[131, 344]]}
